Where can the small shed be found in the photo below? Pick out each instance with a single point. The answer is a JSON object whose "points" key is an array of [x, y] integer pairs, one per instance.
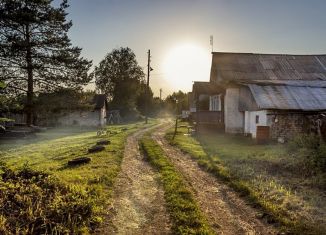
{"points": [[94, 117], [287, 107]]}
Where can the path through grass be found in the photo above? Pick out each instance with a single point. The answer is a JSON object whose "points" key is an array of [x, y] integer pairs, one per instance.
{"points": [[265, 173], [185, 213], [52, 154]]}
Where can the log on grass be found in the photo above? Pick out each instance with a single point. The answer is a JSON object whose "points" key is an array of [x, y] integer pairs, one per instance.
{"points": [[78, 161], [103, 142], [96, 148]]}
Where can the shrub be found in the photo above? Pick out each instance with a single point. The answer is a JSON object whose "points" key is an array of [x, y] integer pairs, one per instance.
{"points": [[310, 153]]}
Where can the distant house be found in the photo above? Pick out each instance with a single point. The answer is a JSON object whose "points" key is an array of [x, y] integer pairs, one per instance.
{"points": [[96, 116], [264, 95]]}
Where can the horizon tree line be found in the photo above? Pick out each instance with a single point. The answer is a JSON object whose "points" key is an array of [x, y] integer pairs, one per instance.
{"points": [[37, 57]]}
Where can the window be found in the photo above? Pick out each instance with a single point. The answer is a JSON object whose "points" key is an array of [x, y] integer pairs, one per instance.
{"points": [[257, 119], [215, 103]]}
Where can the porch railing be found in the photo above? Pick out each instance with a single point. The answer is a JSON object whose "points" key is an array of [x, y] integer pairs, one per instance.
{"points": [[208, 117]]}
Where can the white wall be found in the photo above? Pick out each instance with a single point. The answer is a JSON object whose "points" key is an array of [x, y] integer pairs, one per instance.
{"points": [[234, 119], [84, 118], [103, 116], [250, 121]]}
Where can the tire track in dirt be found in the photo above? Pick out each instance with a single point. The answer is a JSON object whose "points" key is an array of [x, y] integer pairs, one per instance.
{"points": [[138, 198], [225, 211]]}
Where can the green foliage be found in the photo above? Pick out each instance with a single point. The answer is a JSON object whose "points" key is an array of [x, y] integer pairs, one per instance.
{"points": [[53, 60], [5, 119], [10, 103], [310, 152], [185, 213], [65, 99], [143, 97], [33, 202], [36, 53], [176, 102], [120, 77]]}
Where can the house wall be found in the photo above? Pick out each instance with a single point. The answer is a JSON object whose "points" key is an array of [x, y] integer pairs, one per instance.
{"points": [[103, 116], [288, 125], [246, 100], [191, 102], [234, 119], [82, 118], [250, 121]]}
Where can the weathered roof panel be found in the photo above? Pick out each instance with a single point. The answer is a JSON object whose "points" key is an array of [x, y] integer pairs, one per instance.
{"points": [[205, 88], [289, 97], [305, 83], [247, 66]]}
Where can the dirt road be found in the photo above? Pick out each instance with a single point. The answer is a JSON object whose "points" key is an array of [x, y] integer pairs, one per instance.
{"points": [[138, 198], [225, 211]]}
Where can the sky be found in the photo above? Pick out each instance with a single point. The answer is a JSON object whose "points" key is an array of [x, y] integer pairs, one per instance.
{"points": [[178, 31]]}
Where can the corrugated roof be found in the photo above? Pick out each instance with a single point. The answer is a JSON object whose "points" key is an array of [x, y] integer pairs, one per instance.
{"points": [[205, 88], [248, 66], [289, 97], [306, 83]]}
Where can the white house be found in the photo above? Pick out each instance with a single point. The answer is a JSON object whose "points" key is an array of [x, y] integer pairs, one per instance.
{"points": [[267, 94]]}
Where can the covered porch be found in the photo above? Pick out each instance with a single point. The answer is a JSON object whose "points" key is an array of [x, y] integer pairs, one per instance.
{"points": [[209, 103]]}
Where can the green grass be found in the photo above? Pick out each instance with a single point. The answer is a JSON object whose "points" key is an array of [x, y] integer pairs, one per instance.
{"points": [[33, 202], [266, 174], [184, 211], [51, 152]]}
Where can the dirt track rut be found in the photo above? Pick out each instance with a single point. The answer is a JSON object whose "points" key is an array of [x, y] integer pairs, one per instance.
{"points": [[138, 198], [225, 211]]}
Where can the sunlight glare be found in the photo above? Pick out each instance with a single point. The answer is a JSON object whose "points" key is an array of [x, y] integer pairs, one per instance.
{"points": [[186, 63]]}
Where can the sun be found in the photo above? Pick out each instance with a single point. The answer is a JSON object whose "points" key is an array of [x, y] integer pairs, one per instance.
{"points": [[186, 63]]}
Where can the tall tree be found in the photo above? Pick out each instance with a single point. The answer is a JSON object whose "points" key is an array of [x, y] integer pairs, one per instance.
{"points": [[119, 76], [144, 96], [177, 100], [35, 51]]}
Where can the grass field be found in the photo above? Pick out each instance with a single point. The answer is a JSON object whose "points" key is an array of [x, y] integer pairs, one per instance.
{"points": [[51, 150], [271, 177]]}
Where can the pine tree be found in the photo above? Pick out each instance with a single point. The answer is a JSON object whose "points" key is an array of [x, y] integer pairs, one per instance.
{"points": [[35, 51]]}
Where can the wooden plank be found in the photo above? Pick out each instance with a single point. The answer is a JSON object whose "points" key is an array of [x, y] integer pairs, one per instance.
{"points": [[262, 135]]}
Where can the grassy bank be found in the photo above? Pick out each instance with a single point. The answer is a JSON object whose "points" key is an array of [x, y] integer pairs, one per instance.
{"points": [[268, 175], [51, 152], [184, 211]]}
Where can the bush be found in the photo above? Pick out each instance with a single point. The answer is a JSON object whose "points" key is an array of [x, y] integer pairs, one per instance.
{"points": [[33, 202], [310, 152]]}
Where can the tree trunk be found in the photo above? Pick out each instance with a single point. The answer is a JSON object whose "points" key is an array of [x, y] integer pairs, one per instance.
{"points": [[30, 86]]}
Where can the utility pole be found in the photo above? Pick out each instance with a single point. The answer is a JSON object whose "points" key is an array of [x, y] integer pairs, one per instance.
{"points": [[160, 94], [147, 90], [211, 41]]}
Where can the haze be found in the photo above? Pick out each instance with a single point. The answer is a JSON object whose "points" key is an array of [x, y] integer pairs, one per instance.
{"points": [[177, 32]]}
